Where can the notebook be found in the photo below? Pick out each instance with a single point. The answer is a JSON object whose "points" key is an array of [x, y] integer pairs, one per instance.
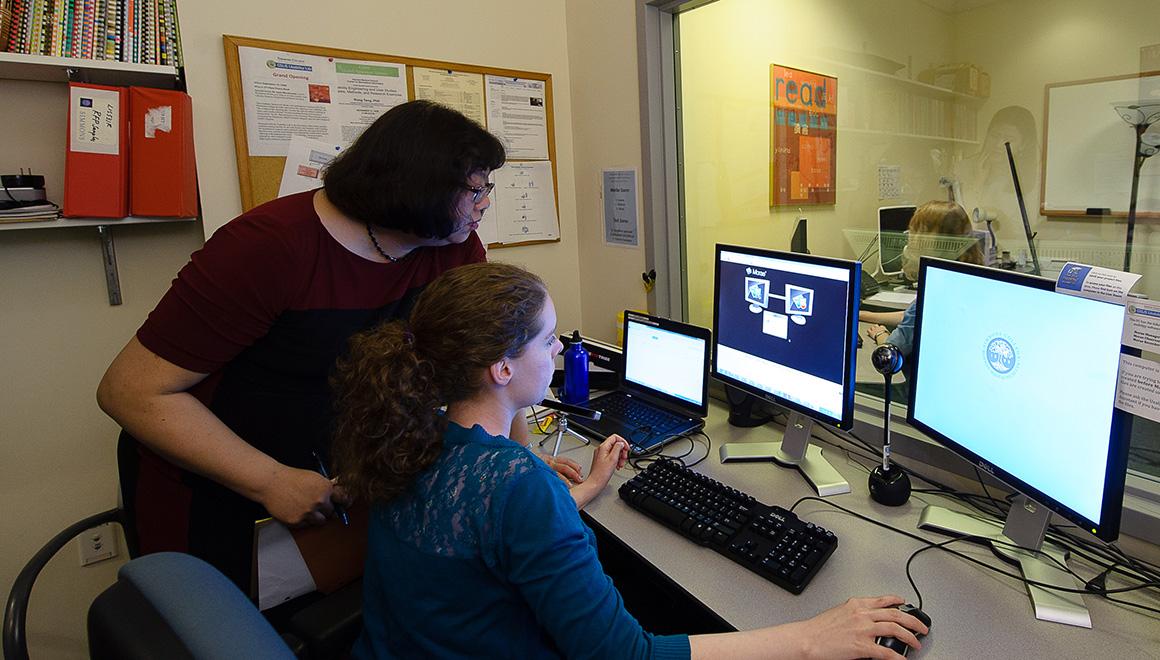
{"points": [[664, 385]]}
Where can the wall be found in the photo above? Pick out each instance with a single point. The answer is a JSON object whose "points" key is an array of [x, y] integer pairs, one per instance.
{"points": [[1069, 40], [515, 34], [59, 331], [606, 132]]}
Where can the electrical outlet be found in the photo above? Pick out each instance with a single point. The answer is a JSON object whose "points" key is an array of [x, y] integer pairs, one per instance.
{"points": [[98, 544]]}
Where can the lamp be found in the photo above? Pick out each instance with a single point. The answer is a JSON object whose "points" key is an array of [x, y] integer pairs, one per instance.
{"points": [[1140, 116]]}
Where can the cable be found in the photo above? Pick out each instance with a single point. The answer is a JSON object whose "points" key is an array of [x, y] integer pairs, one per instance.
{"points": [[929, 544]]}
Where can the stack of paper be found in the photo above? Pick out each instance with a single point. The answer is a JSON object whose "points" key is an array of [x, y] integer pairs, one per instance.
{"points": [[44, 211]]}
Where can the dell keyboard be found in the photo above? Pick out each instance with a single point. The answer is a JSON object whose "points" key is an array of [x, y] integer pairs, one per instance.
{"points": [[768, 540]]}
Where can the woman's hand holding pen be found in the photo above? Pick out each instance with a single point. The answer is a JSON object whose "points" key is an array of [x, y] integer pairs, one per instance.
{"points": [[300, 497]]}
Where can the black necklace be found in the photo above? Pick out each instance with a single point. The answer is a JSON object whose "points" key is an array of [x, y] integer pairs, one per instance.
{"points": [[379, 248]]}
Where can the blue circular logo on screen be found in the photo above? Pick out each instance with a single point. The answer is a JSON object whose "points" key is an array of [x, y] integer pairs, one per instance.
{"points": [[1001, 355]]}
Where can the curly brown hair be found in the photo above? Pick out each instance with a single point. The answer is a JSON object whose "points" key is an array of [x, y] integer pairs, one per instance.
{"points": [[935, 220], [396, 377]]}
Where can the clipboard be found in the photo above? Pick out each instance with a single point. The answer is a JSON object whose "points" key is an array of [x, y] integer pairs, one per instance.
{"points": [[289, 562]]}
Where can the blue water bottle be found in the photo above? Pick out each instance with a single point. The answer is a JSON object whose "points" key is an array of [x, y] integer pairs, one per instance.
{"points": [[575, 371]]}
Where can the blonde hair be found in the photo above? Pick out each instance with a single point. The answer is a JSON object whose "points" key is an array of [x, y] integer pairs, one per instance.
{"points": [[930, 225]]}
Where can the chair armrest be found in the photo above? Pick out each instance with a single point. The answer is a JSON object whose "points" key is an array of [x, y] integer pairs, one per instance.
{"points": [[16, 611]]}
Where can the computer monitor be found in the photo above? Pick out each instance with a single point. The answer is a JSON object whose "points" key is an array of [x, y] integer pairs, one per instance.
{"points": [[893, 222], [800, 241], [785, 330], [1000, 378]]}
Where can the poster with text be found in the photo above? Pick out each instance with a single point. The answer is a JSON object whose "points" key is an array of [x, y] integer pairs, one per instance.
{"points": [[803, 113]]}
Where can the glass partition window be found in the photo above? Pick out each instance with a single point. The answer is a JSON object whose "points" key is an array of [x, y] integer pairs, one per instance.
{"points": [[853, 114]]}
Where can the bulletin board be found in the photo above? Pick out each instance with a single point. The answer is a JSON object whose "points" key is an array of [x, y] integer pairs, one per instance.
{"points": [[1089, 150], [305, 103]]}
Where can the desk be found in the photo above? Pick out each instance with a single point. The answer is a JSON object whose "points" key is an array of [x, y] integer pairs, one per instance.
{"points": [[888, 300], [975, 613]]}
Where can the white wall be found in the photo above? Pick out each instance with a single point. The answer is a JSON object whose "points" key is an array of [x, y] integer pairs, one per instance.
{"points": [[606, 131], [514, 34], [58, 335]]}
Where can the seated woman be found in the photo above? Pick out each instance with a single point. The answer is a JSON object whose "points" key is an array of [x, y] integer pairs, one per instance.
{"points": [[930, 221], [475, 546]]}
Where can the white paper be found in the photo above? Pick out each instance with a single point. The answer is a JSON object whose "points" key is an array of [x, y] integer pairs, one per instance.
{"points": [[620, 217], [282, 572], [523, 204], [488, 230], [95, 125], [1094, 282], [322, 98], [1142, 325], [159, 118], [517, 115], [1138, 391], [460, 90], [305, 160]]}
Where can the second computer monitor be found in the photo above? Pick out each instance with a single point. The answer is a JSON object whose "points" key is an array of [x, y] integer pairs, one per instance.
{"points": [[785, 331], [893, 222]]}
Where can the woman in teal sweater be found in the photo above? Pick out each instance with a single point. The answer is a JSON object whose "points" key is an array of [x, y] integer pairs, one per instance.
{"points": [[476, 548]]}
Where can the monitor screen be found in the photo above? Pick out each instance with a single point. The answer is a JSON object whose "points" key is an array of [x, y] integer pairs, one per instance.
{"points": [[784, 329], [666, 360], [1002, 377], [893, 222]]}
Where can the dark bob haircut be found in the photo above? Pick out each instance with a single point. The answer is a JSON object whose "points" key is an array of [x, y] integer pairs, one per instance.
{"points": [[408, 169]]}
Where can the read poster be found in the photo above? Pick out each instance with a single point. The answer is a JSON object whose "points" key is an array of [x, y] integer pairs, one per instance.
{"points": [[803, 113]]}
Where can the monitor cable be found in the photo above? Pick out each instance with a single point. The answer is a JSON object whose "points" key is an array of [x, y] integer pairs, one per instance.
{"points": [[927, 545]]}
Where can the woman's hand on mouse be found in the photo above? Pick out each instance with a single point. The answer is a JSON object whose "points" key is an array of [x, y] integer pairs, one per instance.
{"points": [[850, 629]]}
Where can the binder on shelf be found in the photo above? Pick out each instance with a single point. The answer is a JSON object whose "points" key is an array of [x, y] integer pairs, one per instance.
{"points": [[96, 165], [162, 168]]}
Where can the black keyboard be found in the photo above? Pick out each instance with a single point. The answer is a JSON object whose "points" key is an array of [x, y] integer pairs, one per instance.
{"points": [[637, 414], [768, 540]]}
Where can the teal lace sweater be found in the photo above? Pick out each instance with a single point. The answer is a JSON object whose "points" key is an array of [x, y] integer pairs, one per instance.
{"points": [[485, 556]]}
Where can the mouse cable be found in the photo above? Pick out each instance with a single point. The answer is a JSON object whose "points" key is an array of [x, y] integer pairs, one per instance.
{"points": [[638, 463], [928, 544]]}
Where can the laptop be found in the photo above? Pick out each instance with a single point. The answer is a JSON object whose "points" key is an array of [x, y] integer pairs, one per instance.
{"points": [[663, 390]]}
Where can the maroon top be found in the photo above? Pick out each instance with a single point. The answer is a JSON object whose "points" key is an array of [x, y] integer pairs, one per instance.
{"points": [[264, 308]]}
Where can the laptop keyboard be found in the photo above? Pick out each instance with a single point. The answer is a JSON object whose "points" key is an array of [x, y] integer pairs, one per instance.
{"points": [[637, 415], [768, 540]]}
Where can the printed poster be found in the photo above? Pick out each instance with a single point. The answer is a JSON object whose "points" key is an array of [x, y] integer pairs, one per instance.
{"points": [[803, 112]]}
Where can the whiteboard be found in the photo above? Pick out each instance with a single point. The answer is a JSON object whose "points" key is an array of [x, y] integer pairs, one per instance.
{"points": [[1089, 150]]}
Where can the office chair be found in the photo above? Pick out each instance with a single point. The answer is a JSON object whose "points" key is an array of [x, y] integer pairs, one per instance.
{"points": [[174, 605]]}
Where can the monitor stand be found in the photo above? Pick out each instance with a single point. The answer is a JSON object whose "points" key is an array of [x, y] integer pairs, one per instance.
{"points": [[794, 450], [1025, 527]]}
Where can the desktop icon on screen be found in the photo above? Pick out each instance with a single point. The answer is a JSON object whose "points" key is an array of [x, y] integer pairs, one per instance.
{"points": [[799, 300], [757, 294]]}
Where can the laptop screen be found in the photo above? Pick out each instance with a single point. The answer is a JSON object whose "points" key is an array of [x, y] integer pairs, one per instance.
{"points": [[665, 361]]}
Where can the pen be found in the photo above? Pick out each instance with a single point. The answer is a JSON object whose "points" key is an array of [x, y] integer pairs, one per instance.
{"points": [[338, 510]]}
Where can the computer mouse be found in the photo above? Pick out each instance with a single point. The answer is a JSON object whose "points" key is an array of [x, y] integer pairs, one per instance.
{"points": [[897, 645]]}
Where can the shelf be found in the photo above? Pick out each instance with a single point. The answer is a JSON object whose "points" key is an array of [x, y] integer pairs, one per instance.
{"points": [[940, 138], [16, 66], [64, 223], [921, 87]]}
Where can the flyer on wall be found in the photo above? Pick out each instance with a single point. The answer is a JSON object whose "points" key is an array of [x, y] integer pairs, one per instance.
{"points": [[803, 137], [315, 97]]}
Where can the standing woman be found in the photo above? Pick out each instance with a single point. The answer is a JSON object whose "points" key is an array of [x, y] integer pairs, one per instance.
{"points": [[475, 548], [222, 393]]}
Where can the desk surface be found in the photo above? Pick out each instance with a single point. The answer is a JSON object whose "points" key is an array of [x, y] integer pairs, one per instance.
{"points": [[974, 612]]}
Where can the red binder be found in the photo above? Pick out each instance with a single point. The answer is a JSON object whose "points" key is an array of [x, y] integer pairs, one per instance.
{"points": [[96, 164], [162, 169]]}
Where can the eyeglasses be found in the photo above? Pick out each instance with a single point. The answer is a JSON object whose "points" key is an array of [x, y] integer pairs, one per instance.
{"points": [[479, 193]]}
